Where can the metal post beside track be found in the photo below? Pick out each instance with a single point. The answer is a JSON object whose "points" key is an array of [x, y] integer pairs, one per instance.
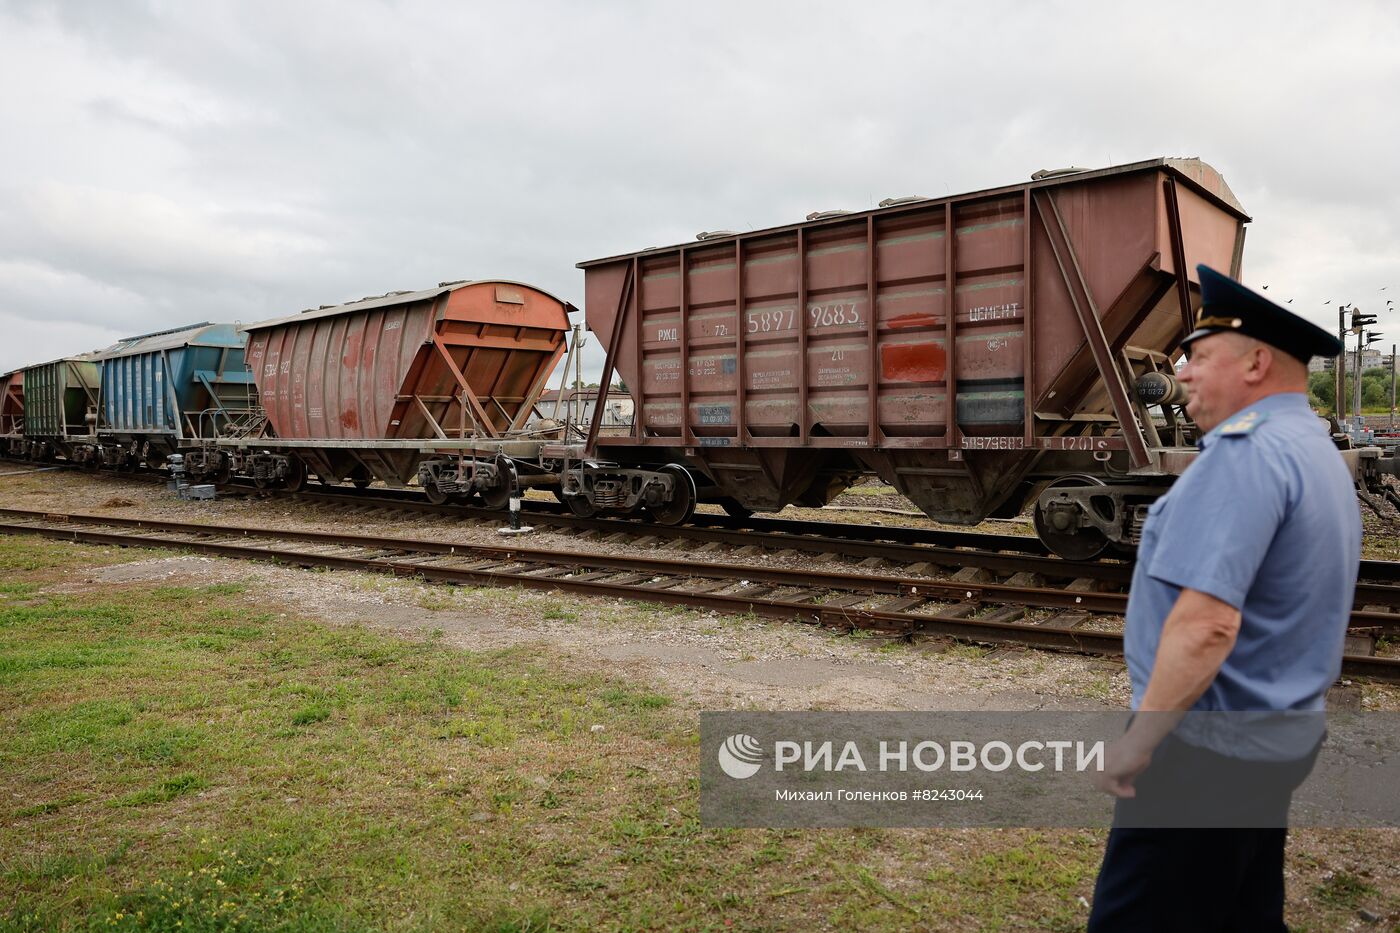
{"points": [[1341, 369]]}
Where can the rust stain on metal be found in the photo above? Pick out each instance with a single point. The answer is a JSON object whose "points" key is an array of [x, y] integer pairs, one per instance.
{"points": [[913, 362]]}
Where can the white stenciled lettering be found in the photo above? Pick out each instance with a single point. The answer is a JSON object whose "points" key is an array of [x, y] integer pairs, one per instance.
{"points": [[993, 443], [994, 312], [668, 333], [764, 322], [763, 378], [834, 314], [1074, 443]]}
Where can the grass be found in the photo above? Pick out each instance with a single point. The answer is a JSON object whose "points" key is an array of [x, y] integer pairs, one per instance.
{"points": [[184, 758], [870, 489], [1343, 890]]}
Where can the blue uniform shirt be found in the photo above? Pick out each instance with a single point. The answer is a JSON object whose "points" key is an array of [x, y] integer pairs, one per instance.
{"points": [[1267, 520]]}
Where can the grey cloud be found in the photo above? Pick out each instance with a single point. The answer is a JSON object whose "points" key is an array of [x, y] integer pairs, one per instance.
{"points": [[256, 158]]}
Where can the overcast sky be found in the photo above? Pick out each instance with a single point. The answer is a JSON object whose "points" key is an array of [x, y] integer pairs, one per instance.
{"points": [[165, 163]]}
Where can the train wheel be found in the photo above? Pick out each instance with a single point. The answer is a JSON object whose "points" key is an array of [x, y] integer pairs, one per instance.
{"points": [[1059, 528], [683, 496], [434, 492], [296, 476], [497, 498]]}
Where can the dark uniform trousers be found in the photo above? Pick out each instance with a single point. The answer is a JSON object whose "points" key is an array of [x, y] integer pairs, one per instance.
{"points": [[1198, 879]]}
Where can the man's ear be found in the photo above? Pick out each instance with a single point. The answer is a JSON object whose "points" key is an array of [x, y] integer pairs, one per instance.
{"points": [[1261, 363]]}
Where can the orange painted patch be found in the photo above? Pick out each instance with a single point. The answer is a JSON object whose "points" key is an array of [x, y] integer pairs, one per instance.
{"points": [[912, 320], [349, 418], [913, 362]]}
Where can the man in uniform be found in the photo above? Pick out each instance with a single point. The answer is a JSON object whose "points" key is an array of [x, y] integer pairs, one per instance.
{"points": [[1239, 604]]}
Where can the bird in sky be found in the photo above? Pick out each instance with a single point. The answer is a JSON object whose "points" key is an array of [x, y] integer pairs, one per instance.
{"points": [[1266, 288], [1290, 301]]}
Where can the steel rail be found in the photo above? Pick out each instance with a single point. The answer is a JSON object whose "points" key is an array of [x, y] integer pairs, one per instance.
{"points": [[393, 556], [1050, 567], [392, 561], [876, 585], [895, 543], [786, 532]]}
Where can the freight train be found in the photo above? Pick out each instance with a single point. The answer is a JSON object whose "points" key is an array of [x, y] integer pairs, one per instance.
{"points": [[982, 353]]}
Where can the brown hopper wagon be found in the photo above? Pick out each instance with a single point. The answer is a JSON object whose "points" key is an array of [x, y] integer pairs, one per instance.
{"points": [[12, 408], [432, 385], [978, 352]]}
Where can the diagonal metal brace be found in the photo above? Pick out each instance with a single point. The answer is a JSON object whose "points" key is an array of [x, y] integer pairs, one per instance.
{"points": [[1089, 322]]}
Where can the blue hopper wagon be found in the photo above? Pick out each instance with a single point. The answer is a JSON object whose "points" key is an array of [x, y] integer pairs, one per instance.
{"points": [[167, 390]]}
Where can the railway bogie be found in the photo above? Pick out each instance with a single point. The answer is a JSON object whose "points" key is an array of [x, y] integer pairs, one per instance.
{"points": [[459, 479], [666, 494]]}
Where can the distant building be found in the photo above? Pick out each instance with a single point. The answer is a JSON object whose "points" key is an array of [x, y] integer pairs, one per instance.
{"points": [[1370, 359], [578, 405]]}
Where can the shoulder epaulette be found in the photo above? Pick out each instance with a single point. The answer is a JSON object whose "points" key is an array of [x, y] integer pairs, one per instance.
{"points": [[1243, 424]]}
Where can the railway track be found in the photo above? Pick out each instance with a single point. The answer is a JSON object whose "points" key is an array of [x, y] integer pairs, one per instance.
{"points": [[1040, 616], [998, 554], [1004, 554]]}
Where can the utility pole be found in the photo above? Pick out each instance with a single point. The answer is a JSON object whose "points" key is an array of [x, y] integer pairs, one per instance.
{"points": [[1340, 369], [1356, 379], [1392, 388], [1359, 323]]}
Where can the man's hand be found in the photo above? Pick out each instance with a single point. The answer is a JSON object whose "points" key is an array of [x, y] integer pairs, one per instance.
{"points": [[1123, 761], [1197, 636]]}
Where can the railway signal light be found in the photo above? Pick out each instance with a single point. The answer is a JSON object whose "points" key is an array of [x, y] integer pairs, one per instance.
{"points": [[1359, 320], [1372, 338]]}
